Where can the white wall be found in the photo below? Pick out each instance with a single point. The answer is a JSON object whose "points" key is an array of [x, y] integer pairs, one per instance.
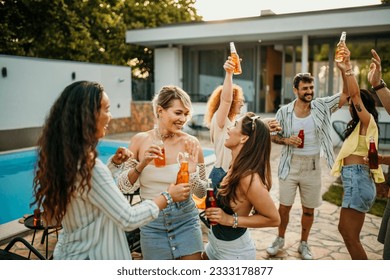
{"points": [[31, 86], [167, 67]]}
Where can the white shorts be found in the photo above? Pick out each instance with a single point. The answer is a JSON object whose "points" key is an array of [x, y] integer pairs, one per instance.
{"points": [[242, 248]]}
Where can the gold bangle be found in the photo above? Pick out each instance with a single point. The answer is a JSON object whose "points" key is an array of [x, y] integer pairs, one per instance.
{"points": [[350, 72], [136, 170]]}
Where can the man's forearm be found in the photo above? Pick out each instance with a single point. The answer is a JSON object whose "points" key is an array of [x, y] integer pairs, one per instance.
{"points": [[279, 140]]}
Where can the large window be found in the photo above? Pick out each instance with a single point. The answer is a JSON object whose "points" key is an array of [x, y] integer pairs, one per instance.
{"points": [[203, 71]]}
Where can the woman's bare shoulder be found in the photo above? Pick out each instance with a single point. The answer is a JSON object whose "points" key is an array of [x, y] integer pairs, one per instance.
{"points": [[251, 181], [140, 137]]}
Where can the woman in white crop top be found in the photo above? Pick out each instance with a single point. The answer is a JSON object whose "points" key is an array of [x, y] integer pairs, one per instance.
{"points": [[176, 233]]}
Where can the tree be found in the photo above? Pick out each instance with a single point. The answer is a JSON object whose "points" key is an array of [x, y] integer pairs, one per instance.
{"points": [[87, 30]]}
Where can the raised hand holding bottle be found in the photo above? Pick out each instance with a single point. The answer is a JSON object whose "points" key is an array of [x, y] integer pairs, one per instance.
{"points": [[339, 56], [236, 59]]}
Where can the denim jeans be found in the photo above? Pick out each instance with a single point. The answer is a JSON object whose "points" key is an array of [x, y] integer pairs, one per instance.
{"points": [[216, 176]]}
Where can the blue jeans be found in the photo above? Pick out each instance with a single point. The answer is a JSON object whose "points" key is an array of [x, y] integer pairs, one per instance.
{"points": [[216, 176]]}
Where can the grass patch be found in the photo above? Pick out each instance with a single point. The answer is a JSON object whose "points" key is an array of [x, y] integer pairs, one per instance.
{"points": [[335, 195]]}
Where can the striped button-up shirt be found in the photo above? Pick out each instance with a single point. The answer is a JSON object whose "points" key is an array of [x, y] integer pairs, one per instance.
{"points": [[321, 110], [95, 222]]}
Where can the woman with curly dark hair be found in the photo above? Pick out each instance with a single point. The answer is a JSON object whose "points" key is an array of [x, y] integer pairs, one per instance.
{"points": [[75, 189], [357, 177], [245, 187]]}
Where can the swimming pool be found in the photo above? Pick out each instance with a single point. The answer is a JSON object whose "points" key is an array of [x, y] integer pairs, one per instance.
{"points": [[17, 173]]}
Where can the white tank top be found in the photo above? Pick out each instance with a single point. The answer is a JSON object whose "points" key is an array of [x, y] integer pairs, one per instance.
{"points": [[154, 180], [311, 145]]}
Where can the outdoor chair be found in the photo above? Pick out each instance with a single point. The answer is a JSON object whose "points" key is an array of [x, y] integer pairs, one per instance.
{"points": [[339, 127], [134, 236], [6, 254], [196, 125]]}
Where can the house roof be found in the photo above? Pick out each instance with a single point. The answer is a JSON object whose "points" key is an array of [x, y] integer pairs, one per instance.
{"points": [[327, 23]]}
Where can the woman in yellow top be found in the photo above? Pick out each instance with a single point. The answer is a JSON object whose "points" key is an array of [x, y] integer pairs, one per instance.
{"points": [[358, 179]]}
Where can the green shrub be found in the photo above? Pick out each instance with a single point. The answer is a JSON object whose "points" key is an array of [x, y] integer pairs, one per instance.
{"points": [[335, 195]]}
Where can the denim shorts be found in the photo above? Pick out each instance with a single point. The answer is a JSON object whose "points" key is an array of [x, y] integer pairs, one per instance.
{"points": [[175, 233], [242, 248], [359, 187], [216, 176]]}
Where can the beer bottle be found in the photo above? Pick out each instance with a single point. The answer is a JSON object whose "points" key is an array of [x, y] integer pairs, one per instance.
{"points": [[301, 135], [210, 199], [373, 154], [37, 218], [339, 57], [183, 176], [236, 59]]}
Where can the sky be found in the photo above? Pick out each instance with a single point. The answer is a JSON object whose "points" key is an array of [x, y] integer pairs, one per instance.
{"points": [[228, 9]]}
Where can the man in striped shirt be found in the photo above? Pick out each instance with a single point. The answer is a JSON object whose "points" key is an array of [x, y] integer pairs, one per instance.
{"points": [[299, 165]]}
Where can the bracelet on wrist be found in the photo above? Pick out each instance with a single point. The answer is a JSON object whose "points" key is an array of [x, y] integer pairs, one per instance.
{"points": [[381, 85], [235, 220], [136, 170], [116, 165], [349, 72], [168, 197]]}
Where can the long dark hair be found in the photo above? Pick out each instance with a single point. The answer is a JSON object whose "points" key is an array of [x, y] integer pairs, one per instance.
{"points": [[369, 104], [66, 148], [254, 157]]}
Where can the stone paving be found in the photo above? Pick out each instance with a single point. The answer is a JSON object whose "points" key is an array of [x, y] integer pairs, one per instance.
{"points": [[325, 241]]}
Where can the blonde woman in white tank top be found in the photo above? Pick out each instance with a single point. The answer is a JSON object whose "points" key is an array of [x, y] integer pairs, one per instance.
{"points": [[176, 233]]}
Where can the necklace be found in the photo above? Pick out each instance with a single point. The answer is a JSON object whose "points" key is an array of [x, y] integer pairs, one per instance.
{"points": [[169, 135]]}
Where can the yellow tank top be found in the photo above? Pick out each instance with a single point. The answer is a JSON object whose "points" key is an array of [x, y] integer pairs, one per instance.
{"points": [[361, 148], [354, 145]]}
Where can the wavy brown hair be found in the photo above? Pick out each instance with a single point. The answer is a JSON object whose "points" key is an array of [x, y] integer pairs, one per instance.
{"points": [[66, 149], [253, 158], [215, 100]]}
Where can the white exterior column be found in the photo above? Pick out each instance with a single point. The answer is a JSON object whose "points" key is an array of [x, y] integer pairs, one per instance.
{"points": [[305, 53], [167, 67]]}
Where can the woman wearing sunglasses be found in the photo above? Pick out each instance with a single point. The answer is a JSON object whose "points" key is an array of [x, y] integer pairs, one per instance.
{"points": [[245, 188]]}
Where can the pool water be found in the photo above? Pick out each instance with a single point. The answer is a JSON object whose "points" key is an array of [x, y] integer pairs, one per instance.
{"points": [[17, 174]]}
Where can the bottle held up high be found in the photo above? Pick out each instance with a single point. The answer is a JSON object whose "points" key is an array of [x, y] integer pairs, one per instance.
{"points": [[338, 56], [373, 154], [236, 59], [210, 199]]}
